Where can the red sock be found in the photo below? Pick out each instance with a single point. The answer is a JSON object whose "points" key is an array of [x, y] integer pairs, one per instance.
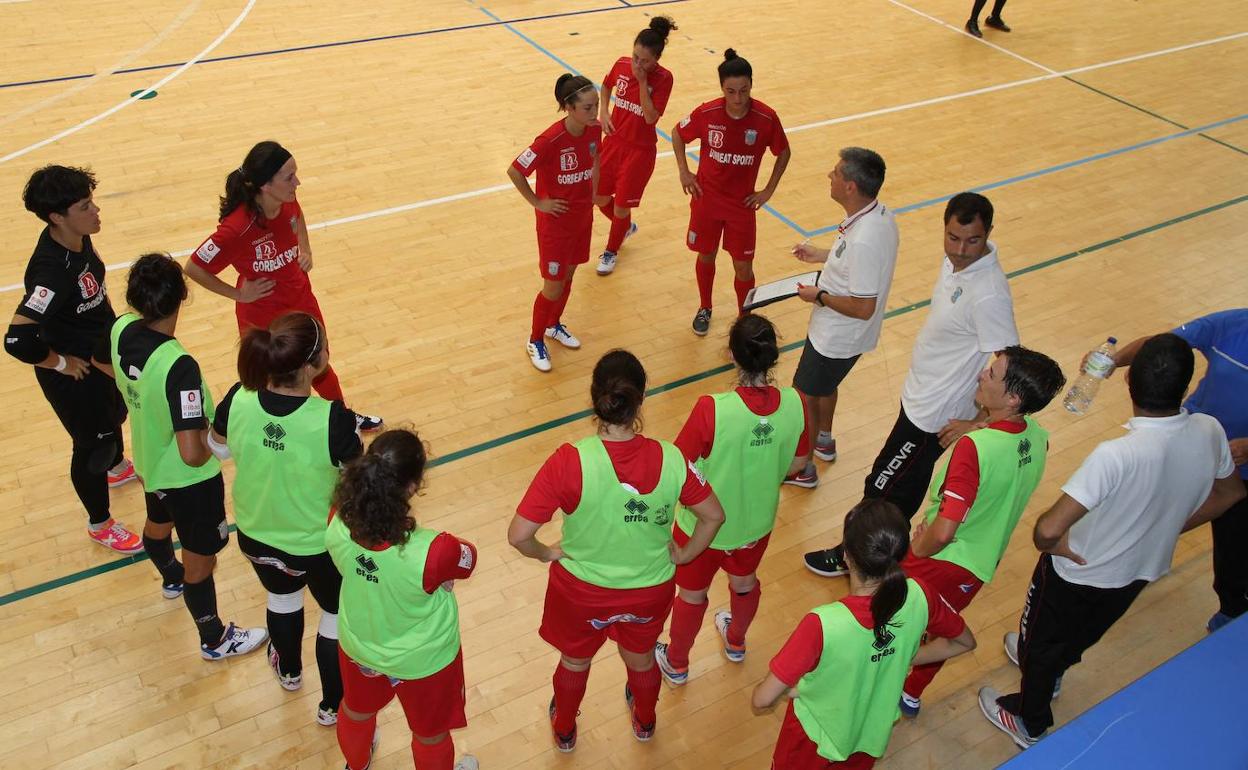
{"points": [[706, 281], [569, 691], [608, 211], [327, 385], [686, 622], [557, 307], [743, 607], [645, 688], [356, 739], [619, 228], [742, 288], [437, 756], [541, 312]]}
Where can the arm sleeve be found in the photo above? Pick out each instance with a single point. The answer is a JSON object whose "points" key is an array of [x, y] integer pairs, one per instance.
{"points": [[1226, 465], [961, 481], [220, 421], [779, 140], [46, 293], [1096, 479], [217, 251], [557, 486], [344, 435], [800, 654], [528, 161], [185, 394], [695, 489], [23, 342], [449, 558], [696, 438], [1201, 333], [942, 619], [866, 270], [994, 323]]}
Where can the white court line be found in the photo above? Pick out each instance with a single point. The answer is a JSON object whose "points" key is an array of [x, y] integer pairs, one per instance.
{"points": [[139, 95], [791, 130], [962, 31], [187, 12]]}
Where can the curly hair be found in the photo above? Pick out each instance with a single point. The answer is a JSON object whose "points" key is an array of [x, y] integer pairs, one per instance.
{"points": [[373, 496]]}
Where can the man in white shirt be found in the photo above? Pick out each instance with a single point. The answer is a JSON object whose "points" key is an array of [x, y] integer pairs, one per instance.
{"points": [[971, 318], [1113, 531], [849, 298]]}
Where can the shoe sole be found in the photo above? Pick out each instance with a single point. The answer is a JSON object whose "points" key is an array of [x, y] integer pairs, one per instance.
{"points": [[577, 346], [995, 723], [702, 333], [330, 722], [129, 552], [669, 678], [122, 482], [827, 458], [171, 595], [824, 573], [801, 484]]}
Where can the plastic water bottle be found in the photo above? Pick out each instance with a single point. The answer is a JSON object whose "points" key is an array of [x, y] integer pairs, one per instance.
{"points": [[1098, 366]]}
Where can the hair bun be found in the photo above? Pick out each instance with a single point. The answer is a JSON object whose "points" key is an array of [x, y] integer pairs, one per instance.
{"points": [[730, 54]]}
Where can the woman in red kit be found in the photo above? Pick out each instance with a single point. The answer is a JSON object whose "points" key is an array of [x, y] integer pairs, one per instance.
{"points": [[641, 87], [735, 131], [565, 157], [263, 236], [612, 575]]}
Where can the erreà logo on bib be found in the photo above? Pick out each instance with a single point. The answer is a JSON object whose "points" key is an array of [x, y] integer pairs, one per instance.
{"points": [[273, 435]]}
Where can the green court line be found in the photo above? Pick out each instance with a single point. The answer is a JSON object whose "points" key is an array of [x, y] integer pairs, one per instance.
{"points": [[459, 454]]}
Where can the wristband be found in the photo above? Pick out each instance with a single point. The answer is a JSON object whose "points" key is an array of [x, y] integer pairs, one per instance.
{"points": [[60, 363], [819, 297]]}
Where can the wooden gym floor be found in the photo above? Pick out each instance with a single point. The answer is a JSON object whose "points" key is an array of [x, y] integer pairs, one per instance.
{"points": [[1111, 136]]}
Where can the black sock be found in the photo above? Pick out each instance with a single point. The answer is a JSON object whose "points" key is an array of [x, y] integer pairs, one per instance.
{"points": [[201, 601], [331, 676], [286, 634], [997, 6], [979, 6], [161, 554], [90, 483]]}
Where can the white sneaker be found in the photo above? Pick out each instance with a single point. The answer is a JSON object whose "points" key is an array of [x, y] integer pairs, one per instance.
{"points": [[237, 641], [539, 356], [289, 682], [1011, 652], [326, 717], [171, 590], [467, 762], [559, 333], [732, 652], [606, 263]]}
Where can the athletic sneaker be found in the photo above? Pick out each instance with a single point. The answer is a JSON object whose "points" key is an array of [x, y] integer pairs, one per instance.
{"points": [[1010, 724], [632, 230], [367, 423], [563, 743], [289, 682], [122, 473], [326, 716], [539, 356], [171, 590], [237, 641], [826, 451], [606, 263], [1011, 652], [672, 675], [829, 562], [116, 537], [702, 321], [909, 706], [733, 652], [467, 762], [807, 478], [559, 333], [641, 732]]}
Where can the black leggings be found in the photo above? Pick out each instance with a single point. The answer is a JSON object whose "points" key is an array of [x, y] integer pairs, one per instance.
{"points": [[979, 6], [91, 410]]}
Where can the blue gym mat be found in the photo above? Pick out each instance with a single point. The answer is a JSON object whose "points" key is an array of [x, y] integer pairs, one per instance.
{"points": [[1184, 713]]}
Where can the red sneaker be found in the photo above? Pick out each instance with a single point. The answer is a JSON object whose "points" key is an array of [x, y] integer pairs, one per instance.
{"points": [[122, 474], [116, 537]]}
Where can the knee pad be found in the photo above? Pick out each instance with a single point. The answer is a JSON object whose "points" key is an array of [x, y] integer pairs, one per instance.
{"points": [[329, 625], [100, 454], [285, 604]]}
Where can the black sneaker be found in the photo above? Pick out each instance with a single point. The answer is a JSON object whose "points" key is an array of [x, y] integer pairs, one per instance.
{"points": [[972, 28], [702, 321], [828, 563], [996, 22], [366, 423]]}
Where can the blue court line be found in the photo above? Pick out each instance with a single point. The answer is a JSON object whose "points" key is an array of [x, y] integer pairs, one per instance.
{"points": [[356, 41]]}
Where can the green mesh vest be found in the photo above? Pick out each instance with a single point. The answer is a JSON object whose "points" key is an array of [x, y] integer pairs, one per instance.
{"points": [[750, 456], [386, 621], [156, 456], [284, 477], [848, 703], [617, 537], [1010, 467]]}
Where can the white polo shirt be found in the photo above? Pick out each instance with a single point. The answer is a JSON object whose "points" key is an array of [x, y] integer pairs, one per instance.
{"points": [[1139, 490], [971, 317], [860, 264]]}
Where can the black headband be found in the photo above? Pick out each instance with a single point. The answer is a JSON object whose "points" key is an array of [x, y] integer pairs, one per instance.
{"points": [[268, 167]]}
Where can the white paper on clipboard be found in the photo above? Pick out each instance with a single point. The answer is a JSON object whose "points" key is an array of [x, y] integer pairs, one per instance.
{"points": [[778, 290]]}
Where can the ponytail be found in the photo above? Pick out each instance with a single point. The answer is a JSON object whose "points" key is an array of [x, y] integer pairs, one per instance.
{"points": [[752, 341], [373, 496], [654, 37], [876, 540], [274, 356], [243, 184]]}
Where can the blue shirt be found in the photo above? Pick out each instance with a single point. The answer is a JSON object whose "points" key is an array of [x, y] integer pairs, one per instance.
{"points": [[1223, 392]]}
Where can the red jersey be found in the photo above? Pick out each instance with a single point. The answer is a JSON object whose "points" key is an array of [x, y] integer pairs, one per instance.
{"points": [[626, 117], [565, 170], [698, 436], [801, 652], [448, 558], [732, 149], [260, 248], [638, 462]]}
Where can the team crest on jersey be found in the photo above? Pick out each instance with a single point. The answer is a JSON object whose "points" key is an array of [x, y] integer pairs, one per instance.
{"points": [[715, 138], [693, 237], [840, 249], [88, 285], [294, 224], [956, 293], [568, 160], [266, 250], [751, 136], [552, 268], [593, 149], [621, 85]]}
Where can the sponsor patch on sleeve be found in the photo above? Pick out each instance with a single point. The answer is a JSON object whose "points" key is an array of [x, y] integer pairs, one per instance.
{"points": [[208, 250], [527, 157], [40, 298], [686, 121], [192, 404], [465, 557]]}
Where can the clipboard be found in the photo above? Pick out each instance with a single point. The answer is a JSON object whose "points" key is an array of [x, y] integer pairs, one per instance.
{"points": [[776, 291]]}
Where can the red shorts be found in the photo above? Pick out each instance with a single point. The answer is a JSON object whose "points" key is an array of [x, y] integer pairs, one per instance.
{"points": [[433, 705], [579, 617], [624, 170], [260, 316], [956, 584], [565, 243], [698, 574], [795, 751], [707, 223]]}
